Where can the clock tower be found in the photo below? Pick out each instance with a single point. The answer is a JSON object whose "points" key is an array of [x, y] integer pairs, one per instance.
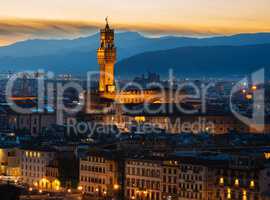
{"points": [[106, 55]]}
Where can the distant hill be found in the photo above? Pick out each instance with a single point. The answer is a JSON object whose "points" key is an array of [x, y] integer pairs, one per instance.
{"points": [[79, 55], [218, 61]]}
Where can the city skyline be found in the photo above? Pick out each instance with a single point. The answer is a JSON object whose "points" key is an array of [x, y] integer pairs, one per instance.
{"points": [[97, 105], [74, 19]]}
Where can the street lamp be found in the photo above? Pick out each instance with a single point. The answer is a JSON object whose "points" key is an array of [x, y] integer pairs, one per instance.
{"points": [[254, 87], [97, 193], [116, 186], [80, 188], [35, 184]]}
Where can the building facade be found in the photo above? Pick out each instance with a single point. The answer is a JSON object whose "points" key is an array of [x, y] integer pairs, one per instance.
{"points": [[10, 162], [33, 123], [143, 179], [33, 167], [246, 177], [106, 55], [99, 175]]}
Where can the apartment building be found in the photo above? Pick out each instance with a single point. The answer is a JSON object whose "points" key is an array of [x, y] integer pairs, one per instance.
{"points": [[246, 177], [143, 178], [10, 161], [33, 166], [99, 174]]}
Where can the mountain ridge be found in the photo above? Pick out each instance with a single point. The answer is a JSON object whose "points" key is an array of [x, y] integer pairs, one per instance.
{"points": [[203, 61], [76, 56]]}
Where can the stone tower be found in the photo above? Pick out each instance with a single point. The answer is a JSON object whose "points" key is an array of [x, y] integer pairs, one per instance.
{"points": [[106, 55]]}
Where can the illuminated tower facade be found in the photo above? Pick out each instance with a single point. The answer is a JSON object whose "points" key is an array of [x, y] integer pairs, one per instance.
{"points": [[106, 55]]}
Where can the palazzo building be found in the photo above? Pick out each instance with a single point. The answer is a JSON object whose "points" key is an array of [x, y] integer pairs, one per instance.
{"points": [[108, 92]]}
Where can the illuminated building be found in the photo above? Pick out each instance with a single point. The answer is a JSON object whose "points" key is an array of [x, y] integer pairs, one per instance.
{"points": [[158, 178], [33, 167], [52, 175], [212, 122], [106, 55], [193, 180], [99, 174], [160, 175], [106, 104], [245, 177], [143, 178], [172, 180], [10, 162]]}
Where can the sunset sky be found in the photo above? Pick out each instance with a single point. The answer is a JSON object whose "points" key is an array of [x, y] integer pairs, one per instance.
{"points": [[20, 20]]}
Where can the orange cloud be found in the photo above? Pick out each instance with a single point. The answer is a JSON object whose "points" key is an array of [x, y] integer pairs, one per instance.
{"points": [[12, 30]]}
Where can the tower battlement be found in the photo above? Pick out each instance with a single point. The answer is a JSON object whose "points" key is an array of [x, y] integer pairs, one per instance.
{"points": [[106, 55]]}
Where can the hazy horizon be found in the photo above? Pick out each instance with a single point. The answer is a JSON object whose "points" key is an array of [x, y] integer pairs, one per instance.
{"points": [[119, 32]]}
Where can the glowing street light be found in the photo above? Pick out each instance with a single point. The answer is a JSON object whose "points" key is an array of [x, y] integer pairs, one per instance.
{"points": [[116, 186], [35, 184], [249, 96], [244, 195], [252, 184], [236, 182], [221, 181], [229, 193], [254, 87], [80, 188]]}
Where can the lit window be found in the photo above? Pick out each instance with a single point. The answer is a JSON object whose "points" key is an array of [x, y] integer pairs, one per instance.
{"points": [[221, 180], [140, 119], [111, 88], [229, 193], [236, 182], [244, 195], [267, 155], [249, 96], [252, 184]]}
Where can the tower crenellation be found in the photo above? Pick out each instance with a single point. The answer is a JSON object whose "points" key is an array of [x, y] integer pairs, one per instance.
{"points": [[106, 55]]}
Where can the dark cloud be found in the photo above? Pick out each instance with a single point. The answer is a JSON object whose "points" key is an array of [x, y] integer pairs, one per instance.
{"points": [[24, 29]]}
